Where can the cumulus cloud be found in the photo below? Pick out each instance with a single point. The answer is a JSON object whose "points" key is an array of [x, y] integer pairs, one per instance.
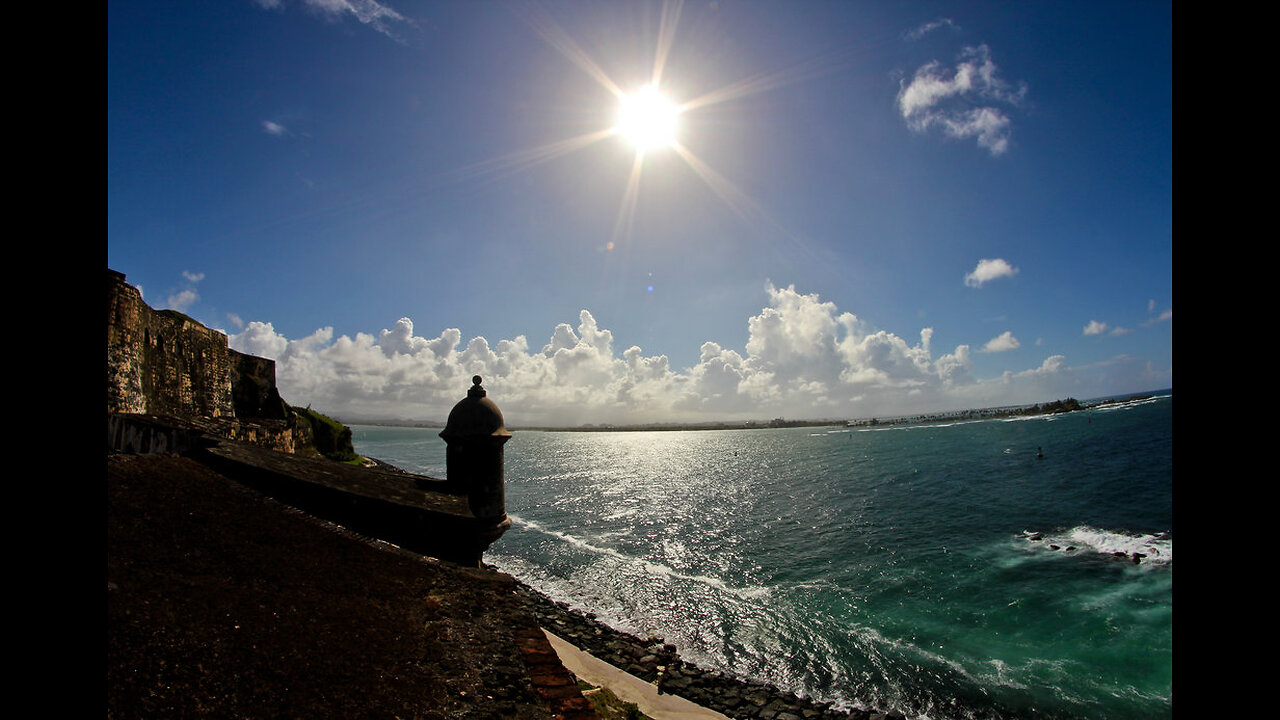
{"points": [[803, 358], [1096, 327], [261, 339], [1052, 365], [182, 300], [967, 101], [1001, 343], [989, 269]]}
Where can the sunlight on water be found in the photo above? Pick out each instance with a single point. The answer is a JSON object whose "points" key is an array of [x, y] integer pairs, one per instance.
{"points": [[940, 569]]}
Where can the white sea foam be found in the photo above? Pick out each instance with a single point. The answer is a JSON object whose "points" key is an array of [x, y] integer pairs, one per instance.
{"points": [[750, 592], [1154, 548], [1030, 418], [1130, 404], [659, 536]]}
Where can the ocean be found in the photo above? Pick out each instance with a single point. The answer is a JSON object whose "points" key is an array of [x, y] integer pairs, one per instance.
{"points": [[943, 570]]}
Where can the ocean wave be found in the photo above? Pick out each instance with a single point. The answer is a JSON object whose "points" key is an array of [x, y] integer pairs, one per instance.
{"points": [[1148, 548], [751, 592], [1130, 404], [1050, 417]]}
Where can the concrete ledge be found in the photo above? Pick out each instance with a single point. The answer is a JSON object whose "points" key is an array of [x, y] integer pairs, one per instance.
{"points": [[415, 512], [390, 505], [629, 687]]}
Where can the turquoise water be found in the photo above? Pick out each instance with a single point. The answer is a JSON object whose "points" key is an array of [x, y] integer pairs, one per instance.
{"points": [[904, 568]]}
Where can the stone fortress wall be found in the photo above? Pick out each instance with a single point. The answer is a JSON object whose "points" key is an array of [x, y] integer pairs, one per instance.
{"points": [[163, 363]]}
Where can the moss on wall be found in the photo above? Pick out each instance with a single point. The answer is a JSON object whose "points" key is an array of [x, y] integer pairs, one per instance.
{"points": [[332, 438]]}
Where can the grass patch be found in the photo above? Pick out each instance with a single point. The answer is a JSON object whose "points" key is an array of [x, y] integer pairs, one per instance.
{"points": [[332, 438], [609, 706]]}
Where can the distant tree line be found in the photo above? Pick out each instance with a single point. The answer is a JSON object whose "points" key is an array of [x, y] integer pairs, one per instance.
{"points": [[1049, 408]]}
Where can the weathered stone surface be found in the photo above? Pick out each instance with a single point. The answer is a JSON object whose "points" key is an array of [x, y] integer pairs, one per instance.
{"points": [[253, 388], [161, 363]]}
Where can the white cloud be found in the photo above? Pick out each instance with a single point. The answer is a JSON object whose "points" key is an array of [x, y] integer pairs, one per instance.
{"points": [[1001, 343], [368, 12], [274, 128], [962, 102], [185, 298], [259, 339], [1164, 315], [1096, 327], [989, 269], [803, 358], [182, 300], [929, 27], [1051, 365]]}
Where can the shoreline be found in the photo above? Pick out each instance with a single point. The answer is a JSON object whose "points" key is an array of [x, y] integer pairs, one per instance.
{"points": [[657, 662], [627, 687], [209, 582]]}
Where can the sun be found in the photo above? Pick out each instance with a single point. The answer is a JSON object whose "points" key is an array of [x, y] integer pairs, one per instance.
{"points": [[648, 119]]}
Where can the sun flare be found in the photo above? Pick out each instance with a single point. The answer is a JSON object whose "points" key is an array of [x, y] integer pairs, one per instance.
{"points": [[648, 119]]}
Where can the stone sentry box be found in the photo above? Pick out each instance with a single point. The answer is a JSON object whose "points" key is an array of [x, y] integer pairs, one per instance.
{"points": [[474, 466]]}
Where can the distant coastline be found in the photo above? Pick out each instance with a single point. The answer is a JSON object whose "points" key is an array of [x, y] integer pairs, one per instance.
{"points": [[1048, 408]]}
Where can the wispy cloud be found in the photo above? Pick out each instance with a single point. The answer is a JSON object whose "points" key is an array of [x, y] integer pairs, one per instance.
{"points": [[1163, 316], [989, 269], [925, 29], [963, 102], [368, 12], [274, 128], [1098, 327]]}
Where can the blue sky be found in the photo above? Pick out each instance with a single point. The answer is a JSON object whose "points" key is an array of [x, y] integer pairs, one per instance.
{"points": [[869, 208]]}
